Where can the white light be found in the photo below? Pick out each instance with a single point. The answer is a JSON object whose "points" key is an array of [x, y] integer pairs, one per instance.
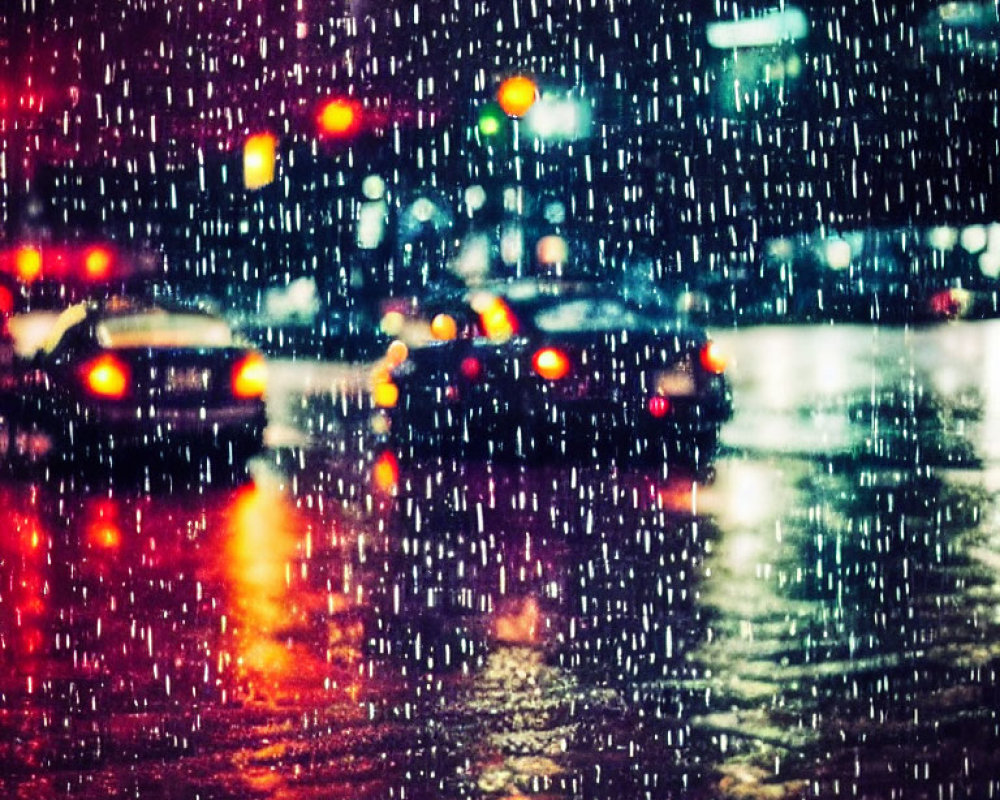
{"points": [[29, 330], [558, 118], [473, 261], [838, 254], [555, 212], [768, 30], [423, 209], [942, 237], [989, 263], [371, 224], [475, 198], [512, 245], [974, 238], [373, 187], [781, 248]]}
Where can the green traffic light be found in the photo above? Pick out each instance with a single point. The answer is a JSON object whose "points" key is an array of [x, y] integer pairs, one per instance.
{"points": [[491, 120], [489, 126]]}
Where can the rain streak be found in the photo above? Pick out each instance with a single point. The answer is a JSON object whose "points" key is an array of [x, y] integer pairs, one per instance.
{"points": [[480, 399]]}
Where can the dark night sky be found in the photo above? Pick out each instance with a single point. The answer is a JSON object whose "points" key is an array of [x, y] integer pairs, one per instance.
{"points": [[886, 121]]}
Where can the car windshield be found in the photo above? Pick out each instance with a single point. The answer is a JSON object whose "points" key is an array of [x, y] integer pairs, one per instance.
{"points": [[163, 329], [590, 314]]}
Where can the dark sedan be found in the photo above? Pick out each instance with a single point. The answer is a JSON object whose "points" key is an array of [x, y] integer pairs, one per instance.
{"points": [[537, 369], [119, 379]]}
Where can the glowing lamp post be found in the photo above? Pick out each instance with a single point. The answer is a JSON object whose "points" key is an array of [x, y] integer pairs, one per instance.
{"points": [[515, 96]]}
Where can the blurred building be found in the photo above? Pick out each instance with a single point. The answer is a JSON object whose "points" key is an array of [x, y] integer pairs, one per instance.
{"points": [[129, 116]]}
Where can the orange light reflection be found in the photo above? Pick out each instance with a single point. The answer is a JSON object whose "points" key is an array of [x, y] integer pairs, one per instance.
{"points": [[278, 653]]}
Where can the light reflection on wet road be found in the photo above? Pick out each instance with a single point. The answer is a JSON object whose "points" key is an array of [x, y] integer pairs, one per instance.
{"points": [[818, 620]]}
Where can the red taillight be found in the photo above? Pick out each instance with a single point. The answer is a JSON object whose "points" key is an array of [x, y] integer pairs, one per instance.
{"points": [[551, 363], [497, 320], [712, 359], [470, 368], [106, 376], [250, 376], [658, 406]]}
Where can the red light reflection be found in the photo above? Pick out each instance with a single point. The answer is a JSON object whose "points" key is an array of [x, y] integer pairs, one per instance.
{"points": [[25, 549], [385, 472], [101, 528]]}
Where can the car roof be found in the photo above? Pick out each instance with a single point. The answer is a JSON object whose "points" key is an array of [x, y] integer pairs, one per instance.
{"points": [[526, 289], [120, 307]]}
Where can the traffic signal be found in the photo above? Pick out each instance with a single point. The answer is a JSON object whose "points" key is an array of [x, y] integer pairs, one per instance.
{"points": [[516, 95], [491, 121]]}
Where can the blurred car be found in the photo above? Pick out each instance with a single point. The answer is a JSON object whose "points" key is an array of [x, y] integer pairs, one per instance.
{"points": [[124, 377], [536, 368]]}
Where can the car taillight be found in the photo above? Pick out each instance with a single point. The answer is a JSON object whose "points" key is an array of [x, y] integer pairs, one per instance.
{"points": [[658, 406], [497, 320], [28, 263], [471, 368], [250, 376], [551, 363], [712, 358], [97, 262], [106, 376]]}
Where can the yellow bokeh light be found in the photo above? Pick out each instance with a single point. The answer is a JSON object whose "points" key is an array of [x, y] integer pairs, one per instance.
{"points": [[259, 152], [385, 394]]}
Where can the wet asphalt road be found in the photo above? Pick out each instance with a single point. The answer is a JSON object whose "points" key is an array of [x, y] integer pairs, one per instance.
{"points": [[819, 618]]}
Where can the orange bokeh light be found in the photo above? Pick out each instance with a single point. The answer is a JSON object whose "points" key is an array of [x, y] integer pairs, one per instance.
{"points": [[551, 364], [259, 154], [339, 117], [28, 262], [516, 95], [385, 472], [106, 376], [97, 262], [444, 328]]}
